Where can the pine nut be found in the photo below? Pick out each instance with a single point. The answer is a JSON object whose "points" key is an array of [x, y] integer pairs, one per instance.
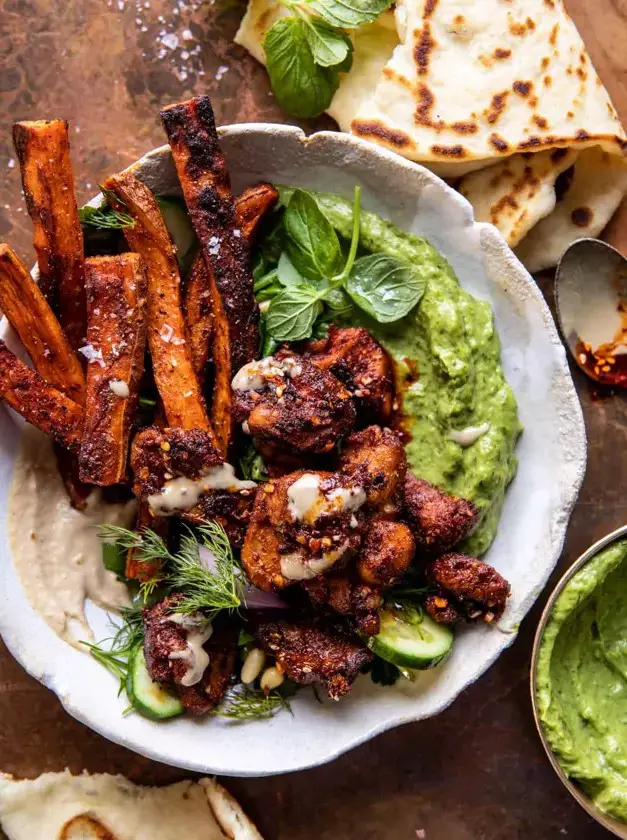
{"points": [[253, 665], [271, 678]]}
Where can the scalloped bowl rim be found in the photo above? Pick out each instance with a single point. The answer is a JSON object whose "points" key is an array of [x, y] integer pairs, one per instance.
{"points": [[21, 633]]}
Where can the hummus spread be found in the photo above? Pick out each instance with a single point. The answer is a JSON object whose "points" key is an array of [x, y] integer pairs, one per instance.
{"points": [[56, 550]]}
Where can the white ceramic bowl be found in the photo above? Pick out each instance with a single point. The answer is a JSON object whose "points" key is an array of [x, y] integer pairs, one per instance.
{"points": [[551, 452]]}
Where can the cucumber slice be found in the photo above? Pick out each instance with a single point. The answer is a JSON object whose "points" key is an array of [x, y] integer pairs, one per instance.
{"points": [[181, 230], [409, 638], [149, 698]]}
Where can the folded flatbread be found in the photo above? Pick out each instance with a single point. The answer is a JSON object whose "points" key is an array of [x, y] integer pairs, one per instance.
{"points": [[488, 90], [60, 806]]}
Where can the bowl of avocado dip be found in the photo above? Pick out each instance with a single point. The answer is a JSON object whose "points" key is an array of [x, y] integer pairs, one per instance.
{"points": [[579, 680]]}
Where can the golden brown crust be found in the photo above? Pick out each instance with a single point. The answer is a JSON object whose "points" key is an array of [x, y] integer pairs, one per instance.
{"points": [[30, 315], [116, 332], [438, 520], [199, 314], [158, 455], [252, 205], [375, 459], [43, 150], [388, 550], [39, 403], [204, 177], [167, 338], [322, 652], [361, 363], [250, 208], [307, 410], [466, 587], [164, 637], [356, 601]]}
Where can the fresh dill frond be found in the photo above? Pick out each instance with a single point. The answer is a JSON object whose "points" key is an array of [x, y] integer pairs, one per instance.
{"points": [[210, 590], [149, 545], [245, 704], [127, 637], [206, 589], [104, 218]]}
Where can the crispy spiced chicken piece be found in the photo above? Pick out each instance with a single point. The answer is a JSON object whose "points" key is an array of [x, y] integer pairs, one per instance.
{"points": [[302, 525], [466, 588], [439, 520], [315, 652], [353, 355], [388, 550], [374, 458], [160, 455], [352, 599], [171, 661], [287, 401]]}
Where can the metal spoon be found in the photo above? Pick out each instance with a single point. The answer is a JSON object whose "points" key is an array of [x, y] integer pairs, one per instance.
{"points": [[591, 302]]}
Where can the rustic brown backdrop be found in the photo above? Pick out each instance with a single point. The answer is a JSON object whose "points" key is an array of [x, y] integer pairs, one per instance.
{"points": [[477, 771]]}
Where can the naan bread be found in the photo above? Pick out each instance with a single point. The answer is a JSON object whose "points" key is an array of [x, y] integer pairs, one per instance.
{"points": [[519, 191], [599, 182], [60, 806], [491, 88]]}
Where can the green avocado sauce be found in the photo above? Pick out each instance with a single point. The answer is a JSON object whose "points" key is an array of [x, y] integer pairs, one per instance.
{"points": [[448, 367], [581, 679]]}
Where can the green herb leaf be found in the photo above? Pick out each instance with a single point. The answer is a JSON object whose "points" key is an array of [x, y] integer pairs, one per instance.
{"points": [[293, 312], [204, 589], [384, 673], [104, 218], [252, 465], [287, 273], [114, 653], [329, 46], [349, 14], [300, 85], [384, 287], [339, 304], [244, 638], [245, 704], [114, 558], [268, 345], [209, 591], [312, 244], [352, 253]]}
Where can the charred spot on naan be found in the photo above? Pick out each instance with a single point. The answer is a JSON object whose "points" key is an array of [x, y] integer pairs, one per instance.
{"points": [[389, 137]]}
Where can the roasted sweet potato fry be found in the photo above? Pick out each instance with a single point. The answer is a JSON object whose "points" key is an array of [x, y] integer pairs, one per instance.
{"points": [[252, 205], [198, 314], [250, 208], [136, 569], [116, 337], [43, 150], [39, 403], [171, 356], [204, 177], [31, 317]]}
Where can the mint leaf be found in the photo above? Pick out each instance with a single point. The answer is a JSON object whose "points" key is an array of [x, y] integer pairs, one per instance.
{"points": [[300, 85], [384, 287], [312, 243], [293, 312], [349, 14], [329, 46], [287, 274]]}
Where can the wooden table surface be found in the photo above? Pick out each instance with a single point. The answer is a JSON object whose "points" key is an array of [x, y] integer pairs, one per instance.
{"points": [[476, 772]]}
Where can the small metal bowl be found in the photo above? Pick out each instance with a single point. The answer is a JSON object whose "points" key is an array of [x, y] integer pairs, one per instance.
{"points": [[619, 829]]}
